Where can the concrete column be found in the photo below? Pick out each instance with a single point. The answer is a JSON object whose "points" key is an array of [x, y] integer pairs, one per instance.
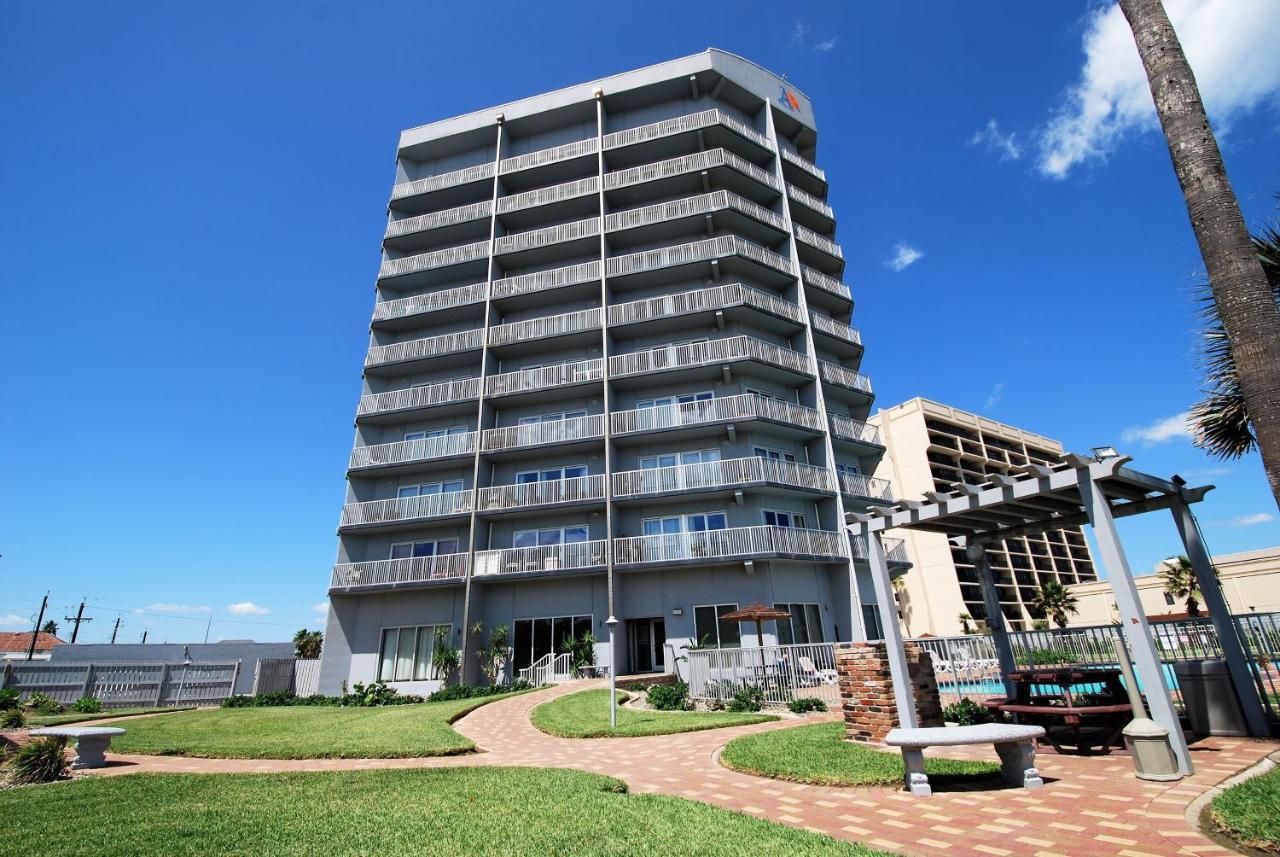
{"points": [[903, 692], [977, 554]]}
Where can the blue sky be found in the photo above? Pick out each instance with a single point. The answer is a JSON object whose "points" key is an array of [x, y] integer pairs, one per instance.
{"points": [[191, 201]]}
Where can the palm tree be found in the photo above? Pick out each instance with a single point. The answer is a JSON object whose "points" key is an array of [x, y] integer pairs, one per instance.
{"points": [[307, 644], [1053, 600], [1179, 580], [1244, 299], [50, 627]]}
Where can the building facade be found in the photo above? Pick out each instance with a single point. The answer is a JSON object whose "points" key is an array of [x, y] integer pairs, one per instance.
{"points": [[611, 373], [932, 446]]}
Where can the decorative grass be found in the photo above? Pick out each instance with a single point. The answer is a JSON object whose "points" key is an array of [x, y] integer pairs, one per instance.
{"points": [[586, 715], [1250, 812], [819, 754]]}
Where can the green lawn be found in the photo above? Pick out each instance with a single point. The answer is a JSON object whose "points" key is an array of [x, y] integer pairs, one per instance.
{"points": [[305, 732], [455, 811], [1250, 812], [77, 717], [586, 715], [819, 754]]}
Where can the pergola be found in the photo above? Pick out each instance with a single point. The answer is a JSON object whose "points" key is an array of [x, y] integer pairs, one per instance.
{"points": [[1077, 491]]}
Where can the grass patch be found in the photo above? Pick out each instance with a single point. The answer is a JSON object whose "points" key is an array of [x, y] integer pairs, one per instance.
{"points": [[456, 811], [1250, 812], [819, 754], [586, 715], [305, 732], [80, 717]]}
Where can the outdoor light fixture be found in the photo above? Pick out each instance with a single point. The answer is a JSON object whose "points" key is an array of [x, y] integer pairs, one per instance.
{"points": [[1101, 452], [612, 622]]}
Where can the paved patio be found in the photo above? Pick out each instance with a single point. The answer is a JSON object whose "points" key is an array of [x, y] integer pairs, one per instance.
{"points": [[1089, 806]]}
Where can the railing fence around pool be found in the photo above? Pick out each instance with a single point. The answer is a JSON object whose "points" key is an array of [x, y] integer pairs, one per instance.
{"points": [[783, 673]]}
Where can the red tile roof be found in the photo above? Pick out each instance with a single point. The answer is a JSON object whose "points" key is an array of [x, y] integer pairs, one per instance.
{"points": [[11, 641]]}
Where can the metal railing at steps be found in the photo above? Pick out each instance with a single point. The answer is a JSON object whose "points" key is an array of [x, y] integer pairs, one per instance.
{"points": [[548, 669]]}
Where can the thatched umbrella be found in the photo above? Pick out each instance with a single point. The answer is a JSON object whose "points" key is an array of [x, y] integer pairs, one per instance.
{"points": [[759, 614]]}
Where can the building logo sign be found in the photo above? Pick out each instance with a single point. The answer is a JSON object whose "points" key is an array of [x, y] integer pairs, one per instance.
{"points": [[788, 100]]}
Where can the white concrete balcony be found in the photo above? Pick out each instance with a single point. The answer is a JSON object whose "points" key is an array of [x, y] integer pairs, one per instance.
{"points": [[439, 219], [705, 300], [836, 330], [553, 155], [811, 202], [546, 327], [683, 125], [865, 487], [572, 234], [729, 474], [695, 252], [895, 550], [386, 312], [398, 573], [409, 452], [434, 260], [805, 164], [397, 354], [737, 543], [854, 431], [548, 195], [713, 352], [833, 373], [690, 164], [430, 184], [542, 281], [531, 495], [827, 284], [545, 378], [396, 402], [819, 242], [405, 510], [692, 206], [728, 409], [576, 556], [572, 430]]}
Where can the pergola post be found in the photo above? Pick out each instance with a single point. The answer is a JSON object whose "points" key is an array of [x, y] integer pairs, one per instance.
{"points": [[1228, 635], [1133, 618], [903, 691], [977, 553]]}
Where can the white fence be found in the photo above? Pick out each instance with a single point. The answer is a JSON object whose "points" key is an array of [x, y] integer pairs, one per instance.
{"points": [[783, 673], [277, 675], [125, 685], [548, 669]]}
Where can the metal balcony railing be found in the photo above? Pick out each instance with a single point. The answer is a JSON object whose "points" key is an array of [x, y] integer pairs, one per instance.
{"points": [[831, 327], [547, 195], [821, 242], [696, 251], [746, 406], [734, 543], [804, 163], [436, 219], [466, 175], [703, 300], [435, 259], [704, 353], [537, 434], [729, 473], [428, 346], [682, 124], [810, 201], [895, 550], [564, 557], [541, 328], [536, 238], [554, 492], [544, 377], [542, 157], [851, 429], [419, 397], [694, 163], [524, 284], [858, 485], [689, 206], [390, 572], [834, 373], [819, 280], [418, 304], [406, 509], [407, 451]]}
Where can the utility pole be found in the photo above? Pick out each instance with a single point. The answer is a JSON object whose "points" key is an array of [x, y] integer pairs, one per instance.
{"points": [[144, 636], [207, 627], [115, 630], [35, 632], [77, 619]]}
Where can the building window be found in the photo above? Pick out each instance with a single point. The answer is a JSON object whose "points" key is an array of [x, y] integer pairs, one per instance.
{"points": [[434, 433], [710, 629], [552, 418], [1168, 599], [871, 622], [849, 469], [790, 520], [406, 652], [774, 454], [695, 523], [533, 639], [765, 394], [436, 547], [553, 474], [804, 626], [427, 488], [569, 534], [671, 459], [664, 401]]}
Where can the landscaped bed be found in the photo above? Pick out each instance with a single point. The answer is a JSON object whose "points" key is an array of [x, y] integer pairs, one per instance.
{"points": [[457, 811], [38, 720], [819, 754], [305, 732], [1249, 812], [586, 715]]}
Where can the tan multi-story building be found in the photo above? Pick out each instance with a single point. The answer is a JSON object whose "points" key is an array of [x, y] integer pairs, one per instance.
{"points": [[930, 447]]}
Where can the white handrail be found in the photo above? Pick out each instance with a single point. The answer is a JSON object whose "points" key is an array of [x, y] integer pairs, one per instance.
{"points": [[822, 242], [428, 346], [804, 163], [819, 280], [542, 157], [565, 557], [810, 201], [690, 206], [435, 259], [698, 162], [859, 485], [436, 219], [544, 377], [383, 572], [702, 353], [406, 508], [431, 302], [728, 544], [550, 493], [419, 397], [831, 327], [703, 300], [724, 409], [547, 325], [682, 124], [466, 175], [403, 451], [547, 195], [523, 284], [535, 434], [851, 429], [727, 473], [833, 373], [547, 236]]}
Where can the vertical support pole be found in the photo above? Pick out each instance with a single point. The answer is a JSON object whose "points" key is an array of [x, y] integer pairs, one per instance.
{"points": [[88, 681], [903, 692], [977, 553], [164, 677], [4, 677], [1132, 617], [1223, 623]]}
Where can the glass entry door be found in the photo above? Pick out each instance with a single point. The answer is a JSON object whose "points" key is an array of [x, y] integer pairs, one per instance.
{"points": [[648, 645]]}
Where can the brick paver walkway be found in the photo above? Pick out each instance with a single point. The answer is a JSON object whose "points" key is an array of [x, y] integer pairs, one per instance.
{"points": [[1089, 806]]}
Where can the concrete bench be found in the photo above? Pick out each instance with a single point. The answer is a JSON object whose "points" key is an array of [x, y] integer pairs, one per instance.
{"points": [[1015, 744], [91, 742]]}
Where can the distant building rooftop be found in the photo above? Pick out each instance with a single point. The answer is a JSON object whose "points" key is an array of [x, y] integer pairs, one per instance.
{"points": [[19, 641]]}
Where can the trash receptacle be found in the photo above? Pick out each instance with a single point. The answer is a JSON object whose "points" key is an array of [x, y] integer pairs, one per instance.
{"points": [[1210, 697]]}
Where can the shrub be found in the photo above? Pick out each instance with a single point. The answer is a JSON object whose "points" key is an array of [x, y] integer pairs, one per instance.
{"points": [[8, 699], [805, 704], [376, 694], [464, 691], [43, 704], [278, 698], [40, 761], [12, 718], [87, 705], [1045, 657], [747, 698], [670, 697], [966, 712]]}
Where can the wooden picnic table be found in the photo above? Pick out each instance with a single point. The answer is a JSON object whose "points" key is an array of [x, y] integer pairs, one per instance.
{"points": [[1070, 716]]}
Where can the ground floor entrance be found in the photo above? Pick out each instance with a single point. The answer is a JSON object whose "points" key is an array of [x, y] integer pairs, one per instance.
{"points": [[647, 640]]}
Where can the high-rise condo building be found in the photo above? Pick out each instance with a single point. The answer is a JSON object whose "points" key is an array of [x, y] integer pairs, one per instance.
{"points": [[610, 373]]}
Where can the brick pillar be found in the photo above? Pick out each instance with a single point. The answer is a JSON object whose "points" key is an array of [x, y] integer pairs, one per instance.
{"points": [[866, 690]]}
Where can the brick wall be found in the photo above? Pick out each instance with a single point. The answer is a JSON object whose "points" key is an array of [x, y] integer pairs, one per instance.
{"points": [[866, 690]]}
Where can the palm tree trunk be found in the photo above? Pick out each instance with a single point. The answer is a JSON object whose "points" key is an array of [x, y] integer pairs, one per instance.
{"points": [[1245, 304]]}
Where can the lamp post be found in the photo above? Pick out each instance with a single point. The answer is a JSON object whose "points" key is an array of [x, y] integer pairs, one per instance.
{"points": [[612, 623], [186, 665]]}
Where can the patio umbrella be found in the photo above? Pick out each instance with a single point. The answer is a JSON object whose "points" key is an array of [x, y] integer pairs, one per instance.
{"points": [[759, 614]]}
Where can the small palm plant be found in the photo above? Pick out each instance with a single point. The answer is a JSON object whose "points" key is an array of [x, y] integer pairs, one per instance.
{"points": [[40, 761], [1180, 582], [1053, 600], [445, 658]]}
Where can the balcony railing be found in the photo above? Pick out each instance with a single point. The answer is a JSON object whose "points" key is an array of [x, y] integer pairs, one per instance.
{"points": [[690, 206], [810, 202], [858, 485], [565, 152], [706, 353], [684, 164], [544, 377], [565, 557], [435, 259], [419, 304], [821, 242], [406, 509], [834, 373], [428, 346], [406, 451], [696, 251], [539, 281], [734, 543], [541, 328], [703, 300], [466, 175], [419, 397], [682, 124], [804, 163], [895, 550], [535, 434], [847, 428], [746, 406], [831, 327], [436, 219], [819, 280], [390, 572], [554, 492], [536, 238], [547, 195], [729, 473]]}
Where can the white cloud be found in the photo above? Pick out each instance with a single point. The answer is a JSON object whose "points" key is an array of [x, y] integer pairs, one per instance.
{"points": [[990, 138], [1231, 45], [904, 256], [1247, 520], [997, 393], [1205, 472], [799, 33], [824, 45], [247, 608], [1160, 431], [14, 622], [178, 608], [322, 608]]}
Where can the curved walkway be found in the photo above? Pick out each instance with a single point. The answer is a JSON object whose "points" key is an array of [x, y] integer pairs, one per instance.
{"points": [[1090, 805]]}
